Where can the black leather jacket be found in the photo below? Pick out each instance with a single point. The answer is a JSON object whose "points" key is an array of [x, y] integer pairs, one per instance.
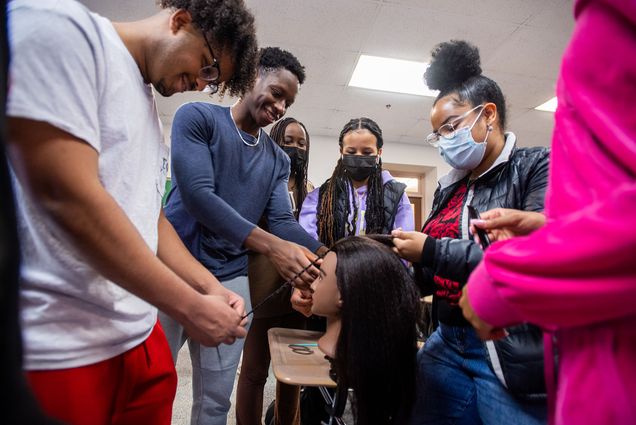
{"points": [[518, 180]]}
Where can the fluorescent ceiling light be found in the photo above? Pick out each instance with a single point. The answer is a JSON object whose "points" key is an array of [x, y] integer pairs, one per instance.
{"points": [[549, 106], [394, 75]]}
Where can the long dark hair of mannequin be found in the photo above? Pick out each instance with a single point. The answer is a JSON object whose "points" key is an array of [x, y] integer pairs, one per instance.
{"points": [[376, 349]]}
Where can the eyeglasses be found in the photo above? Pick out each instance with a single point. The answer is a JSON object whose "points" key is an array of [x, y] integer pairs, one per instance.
{"points": [[211, 73], [448, 130]]}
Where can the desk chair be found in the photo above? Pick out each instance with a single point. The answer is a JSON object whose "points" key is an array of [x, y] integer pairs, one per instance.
{"points": [[304, 364]]}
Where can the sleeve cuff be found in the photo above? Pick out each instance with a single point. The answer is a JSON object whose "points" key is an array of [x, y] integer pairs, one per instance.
{"points": [[487, 301], [241, 234], [428, 252]]}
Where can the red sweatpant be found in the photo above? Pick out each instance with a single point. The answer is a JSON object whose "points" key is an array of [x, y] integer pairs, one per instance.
{"points": [[136, 387]]}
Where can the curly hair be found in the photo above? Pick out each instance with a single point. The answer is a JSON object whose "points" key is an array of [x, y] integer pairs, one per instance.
{"points": [[455, 68], [229, 25], [271, 58]]}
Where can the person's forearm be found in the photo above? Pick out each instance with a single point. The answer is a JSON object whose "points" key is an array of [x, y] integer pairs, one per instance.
{"points": [[455, 259], [111, 244], [290, 230], [174, 254], [80, 209], [581, 270], [265, 243], [261, 241]]}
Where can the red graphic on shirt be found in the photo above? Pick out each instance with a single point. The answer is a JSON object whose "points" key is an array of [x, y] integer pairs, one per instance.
{"points": [[446, 225]]}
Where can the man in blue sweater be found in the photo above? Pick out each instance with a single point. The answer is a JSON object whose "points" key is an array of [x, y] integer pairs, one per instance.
{"points": [[227, 174]]}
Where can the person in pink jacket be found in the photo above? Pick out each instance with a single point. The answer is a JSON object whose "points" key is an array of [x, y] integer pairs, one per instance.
{"points": [[576, 275]]}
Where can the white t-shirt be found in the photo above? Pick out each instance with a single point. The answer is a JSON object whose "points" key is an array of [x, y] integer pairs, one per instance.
{"points": [[69, 68]]}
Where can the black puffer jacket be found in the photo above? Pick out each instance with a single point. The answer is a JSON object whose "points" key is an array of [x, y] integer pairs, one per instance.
{"points": [[519, 183], [517, 180]]}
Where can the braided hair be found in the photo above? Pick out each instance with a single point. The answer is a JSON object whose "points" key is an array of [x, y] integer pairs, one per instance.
{"points": [[332, 226], [298, 172]]}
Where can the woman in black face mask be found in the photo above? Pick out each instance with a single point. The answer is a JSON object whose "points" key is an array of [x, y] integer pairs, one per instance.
{"points": [[291, 135], [359, 197]]}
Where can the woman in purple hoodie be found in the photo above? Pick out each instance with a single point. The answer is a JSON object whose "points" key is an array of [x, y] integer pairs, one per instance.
{"points": [[576, 275], [359, 198]]}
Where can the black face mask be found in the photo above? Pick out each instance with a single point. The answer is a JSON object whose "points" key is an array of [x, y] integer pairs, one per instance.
{"points": [[297, 156], [359, 167]]}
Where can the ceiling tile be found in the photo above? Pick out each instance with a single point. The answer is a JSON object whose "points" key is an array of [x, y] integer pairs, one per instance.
{"points": [[520, 41], [531, 51], [326, 23], [512, 11]]}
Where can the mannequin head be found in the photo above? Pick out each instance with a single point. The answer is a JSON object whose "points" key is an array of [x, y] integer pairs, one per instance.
{"points": [[372, 308]]}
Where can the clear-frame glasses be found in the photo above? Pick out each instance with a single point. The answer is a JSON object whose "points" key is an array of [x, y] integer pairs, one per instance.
{"points": [[448, 130]]}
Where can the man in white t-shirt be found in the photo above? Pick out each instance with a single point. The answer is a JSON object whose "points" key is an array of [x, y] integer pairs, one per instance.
{"points": [[87, 154]]}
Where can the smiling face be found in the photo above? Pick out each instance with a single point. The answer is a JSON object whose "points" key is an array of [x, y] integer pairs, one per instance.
{"points": [[326, 296], [179, 56], [273, 93]]}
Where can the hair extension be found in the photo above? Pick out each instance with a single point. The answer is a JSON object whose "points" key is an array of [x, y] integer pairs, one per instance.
{"points": [[229, 26], [376, 348], [299, 173], [455, 69], [332, 226]]}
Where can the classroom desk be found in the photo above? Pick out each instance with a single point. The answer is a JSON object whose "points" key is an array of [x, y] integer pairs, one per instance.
{"points": [[309, 370]]}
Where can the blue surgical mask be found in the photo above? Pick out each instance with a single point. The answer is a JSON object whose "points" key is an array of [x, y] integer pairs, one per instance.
{"points": [[461, 151]]}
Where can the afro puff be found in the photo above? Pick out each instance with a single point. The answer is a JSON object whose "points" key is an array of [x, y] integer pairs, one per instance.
{"points": [[455, 69], [453, 63]]}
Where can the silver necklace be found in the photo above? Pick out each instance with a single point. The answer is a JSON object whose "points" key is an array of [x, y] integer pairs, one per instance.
{"points": [[258, 137]]}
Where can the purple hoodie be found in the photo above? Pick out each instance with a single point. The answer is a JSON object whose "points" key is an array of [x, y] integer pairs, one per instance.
{"points": [[576, 277], [308, 220]]}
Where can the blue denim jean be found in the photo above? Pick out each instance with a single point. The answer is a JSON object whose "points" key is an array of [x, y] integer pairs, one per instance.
{"points": [[455, 385]]}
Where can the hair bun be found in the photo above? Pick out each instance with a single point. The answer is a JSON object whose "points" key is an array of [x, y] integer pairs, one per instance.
{"points": [[452, 63]]}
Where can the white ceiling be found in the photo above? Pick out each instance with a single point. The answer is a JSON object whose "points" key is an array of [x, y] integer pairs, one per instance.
{"points": [[521, 42]]}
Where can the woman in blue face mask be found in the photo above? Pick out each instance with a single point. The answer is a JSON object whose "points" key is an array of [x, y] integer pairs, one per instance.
{"points": [[462, 380]]}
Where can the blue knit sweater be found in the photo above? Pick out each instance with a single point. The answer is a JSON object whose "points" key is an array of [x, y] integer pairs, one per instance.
{"points": [[222, 188]]}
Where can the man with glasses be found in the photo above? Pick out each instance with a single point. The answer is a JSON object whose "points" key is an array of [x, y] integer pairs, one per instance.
{"points": [[227, 175], [88, 162]]}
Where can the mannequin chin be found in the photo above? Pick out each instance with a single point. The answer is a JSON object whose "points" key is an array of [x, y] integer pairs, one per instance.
{"points": [[327, 343]]}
